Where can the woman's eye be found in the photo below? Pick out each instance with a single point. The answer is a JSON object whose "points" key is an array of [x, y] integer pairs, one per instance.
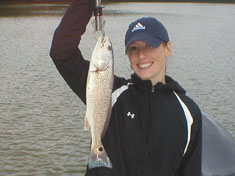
{"points": [[132, 48], [148, 46]]}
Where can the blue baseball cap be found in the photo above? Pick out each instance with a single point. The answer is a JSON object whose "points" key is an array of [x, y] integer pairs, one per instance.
{"points": [[146, 29]]}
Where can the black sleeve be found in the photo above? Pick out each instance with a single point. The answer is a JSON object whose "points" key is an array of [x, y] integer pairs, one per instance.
{"points": [[64, 50], [192, 161]]}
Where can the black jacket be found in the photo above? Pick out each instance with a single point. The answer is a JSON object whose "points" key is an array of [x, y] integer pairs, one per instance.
{"points": [[150, 128]]}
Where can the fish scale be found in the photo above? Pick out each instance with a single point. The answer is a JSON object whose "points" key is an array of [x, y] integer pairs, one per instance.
{"points": [[101, 109]]}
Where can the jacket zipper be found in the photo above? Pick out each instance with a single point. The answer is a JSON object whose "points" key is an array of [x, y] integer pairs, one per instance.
{"points": [[152, 89], [151, 114]]}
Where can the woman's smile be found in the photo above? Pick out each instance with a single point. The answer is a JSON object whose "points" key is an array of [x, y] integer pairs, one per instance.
{"points": [[145, 65]]}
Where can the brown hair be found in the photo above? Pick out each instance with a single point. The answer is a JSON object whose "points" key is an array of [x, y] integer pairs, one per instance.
{"points": [[164, 44]]}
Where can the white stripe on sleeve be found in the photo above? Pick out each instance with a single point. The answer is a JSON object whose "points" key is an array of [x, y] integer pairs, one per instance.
{"points": [[189, 120], [118, 92]]}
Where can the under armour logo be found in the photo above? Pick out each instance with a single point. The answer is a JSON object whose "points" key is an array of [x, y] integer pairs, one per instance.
{"points": [[138, 26], [131, 115]]}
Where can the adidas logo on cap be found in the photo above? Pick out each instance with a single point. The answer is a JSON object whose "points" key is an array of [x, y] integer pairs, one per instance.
{"points": [[138, 26]]}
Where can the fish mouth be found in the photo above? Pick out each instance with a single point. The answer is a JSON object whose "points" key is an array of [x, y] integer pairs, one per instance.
{"points": [[105, 40], [102, 41], [145, 65]]}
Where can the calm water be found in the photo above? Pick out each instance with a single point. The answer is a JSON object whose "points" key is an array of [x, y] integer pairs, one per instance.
{"points": [[41, 119]]}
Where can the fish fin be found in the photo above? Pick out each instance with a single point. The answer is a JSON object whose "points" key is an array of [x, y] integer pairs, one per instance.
{"points": [[92, 68], [99, 158], [86, 124]]}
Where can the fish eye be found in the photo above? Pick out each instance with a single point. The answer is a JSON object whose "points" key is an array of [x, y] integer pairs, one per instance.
{"points": [[109, 48]]}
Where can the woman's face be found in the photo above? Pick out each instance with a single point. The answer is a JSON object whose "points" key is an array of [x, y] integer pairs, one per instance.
{"points": [[149, 63]]}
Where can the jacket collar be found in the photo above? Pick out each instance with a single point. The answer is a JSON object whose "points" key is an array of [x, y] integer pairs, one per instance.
{"points": [[171, 85]]}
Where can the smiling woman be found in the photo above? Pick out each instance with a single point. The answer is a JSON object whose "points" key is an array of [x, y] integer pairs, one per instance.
{"points": [[149, 63], [148, 49], [42, 120], [151, 111]]}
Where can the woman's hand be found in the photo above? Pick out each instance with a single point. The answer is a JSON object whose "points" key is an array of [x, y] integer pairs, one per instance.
{"points": [[91, 3]]}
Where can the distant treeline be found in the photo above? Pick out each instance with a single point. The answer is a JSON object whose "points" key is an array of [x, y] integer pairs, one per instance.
{"points": [[69, 1]]}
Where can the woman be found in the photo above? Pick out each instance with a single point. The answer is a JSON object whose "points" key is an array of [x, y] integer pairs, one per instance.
{"points": [[155, 129]]}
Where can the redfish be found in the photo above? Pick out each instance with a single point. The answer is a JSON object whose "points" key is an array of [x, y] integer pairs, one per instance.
{"points": [[99, 100]]}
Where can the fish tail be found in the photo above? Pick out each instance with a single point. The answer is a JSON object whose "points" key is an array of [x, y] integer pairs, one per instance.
{"points": [[99, 158]]}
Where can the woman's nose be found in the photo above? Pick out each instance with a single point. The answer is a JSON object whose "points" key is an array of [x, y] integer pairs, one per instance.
{"points": [[142, 53]]}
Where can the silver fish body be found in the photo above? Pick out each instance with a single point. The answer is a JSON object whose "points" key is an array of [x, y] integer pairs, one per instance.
{"points": [[98, 100]]}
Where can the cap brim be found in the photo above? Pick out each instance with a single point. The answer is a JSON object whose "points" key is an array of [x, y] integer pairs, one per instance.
{"points": [[152, 41]]}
